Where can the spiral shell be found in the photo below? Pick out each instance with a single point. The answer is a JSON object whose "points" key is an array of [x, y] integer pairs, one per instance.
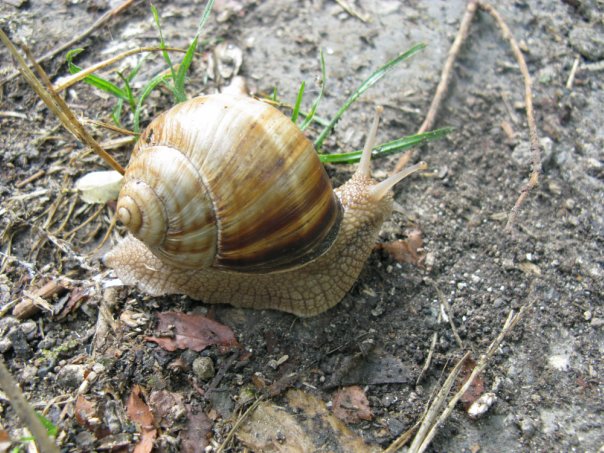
{"points": [[229, 182]]}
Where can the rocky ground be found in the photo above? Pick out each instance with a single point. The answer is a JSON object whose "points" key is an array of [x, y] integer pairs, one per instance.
{"points": [[85, 358]]}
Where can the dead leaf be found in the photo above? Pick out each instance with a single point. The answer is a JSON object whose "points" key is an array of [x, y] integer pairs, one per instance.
{"points": [[192, 331], [302, 424], [76, 298], [194, 438], [529, 268], [5, 441], [139, 413], [351, 405], [86, 415], [408, 250], [99, 186], [476, 388], [167, 407]]}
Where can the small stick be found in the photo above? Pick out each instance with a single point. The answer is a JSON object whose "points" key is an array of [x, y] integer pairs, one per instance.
{"points": [[29, 179], [445, 78], [100, 21], [573, 72], [530, 115], [445, 304], [439, 400], [428, 359], [441, 91], [350, 9]]}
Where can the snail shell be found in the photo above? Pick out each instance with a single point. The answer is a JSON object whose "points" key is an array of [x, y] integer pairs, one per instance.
{"points": [[227, 202], [228, 182]]}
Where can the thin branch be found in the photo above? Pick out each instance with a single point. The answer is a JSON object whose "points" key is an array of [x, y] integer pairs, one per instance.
{"points": [[573, 73], [432, 413], [445, 304], [445, 78], [530, 115], [432, 422], [443, 85]]}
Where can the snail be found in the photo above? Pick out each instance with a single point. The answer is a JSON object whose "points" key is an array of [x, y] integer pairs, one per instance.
{"points": [[226, 201]]}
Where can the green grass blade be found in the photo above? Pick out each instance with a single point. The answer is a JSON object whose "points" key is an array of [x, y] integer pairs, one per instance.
{"points": [[93, 80], [311, 115], [296, 109], [368, 83], [204, 17], [392, 147], [162, 43], [116, 114], [51, 428], [128, 90], [153, 83], [180, 78], [179, 82]]}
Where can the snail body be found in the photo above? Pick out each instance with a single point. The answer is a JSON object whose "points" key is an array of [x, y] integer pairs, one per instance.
{"points": [[246, 216]]}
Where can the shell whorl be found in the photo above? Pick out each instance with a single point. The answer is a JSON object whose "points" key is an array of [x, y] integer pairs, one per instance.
{"points": [[164, 190], [229, 182]]}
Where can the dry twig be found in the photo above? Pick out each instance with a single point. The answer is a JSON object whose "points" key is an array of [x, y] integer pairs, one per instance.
{"points": [[530, 115], [445, 304]]}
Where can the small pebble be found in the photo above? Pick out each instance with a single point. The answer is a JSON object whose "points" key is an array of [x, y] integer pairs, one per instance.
{"points": [[46, 343], [29, 328], [527, 426], [482, 405], [28, 374], [71, 376], [203, 367], [559, 362]]}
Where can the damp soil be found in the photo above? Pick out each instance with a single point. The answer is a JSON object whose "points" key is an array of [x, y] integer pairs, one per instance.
{"points": [[547, 375]]}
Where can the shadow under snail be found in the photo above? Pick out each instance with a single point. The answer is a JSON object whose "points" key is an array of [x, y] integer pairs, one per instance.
{"points": [[227, 202]]}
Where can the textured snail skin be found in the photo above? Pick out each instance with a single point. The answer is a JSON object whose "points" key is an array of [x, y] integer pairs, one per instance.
{"points": [[304, 291]]}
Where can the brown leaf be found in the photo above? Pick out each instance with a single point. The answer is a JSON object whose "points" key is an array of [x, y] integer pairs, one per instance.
{"points": [[192, 331], [167, 407], [194, 438], [303, 423], [5, 441], [86, 415], [76, 298], [351, 405], [139, 413], [408, 250], [476, 388], [84, 411]]}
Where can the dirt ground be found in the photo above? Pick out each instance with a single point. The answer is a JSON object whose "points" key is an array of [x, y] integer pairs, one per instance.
{"points": [[546, 376]]}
